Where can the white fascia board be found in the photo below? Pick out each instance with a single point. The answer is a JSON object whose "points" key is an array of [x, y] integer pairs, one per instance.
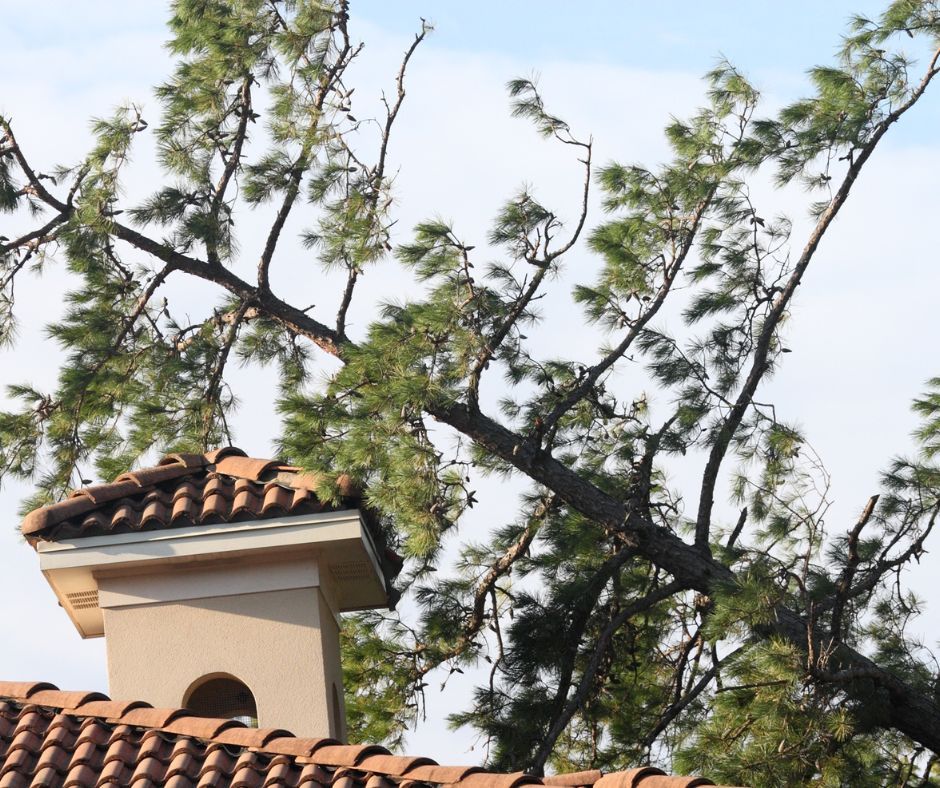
{"points": [[135, 547], [72, 566]]}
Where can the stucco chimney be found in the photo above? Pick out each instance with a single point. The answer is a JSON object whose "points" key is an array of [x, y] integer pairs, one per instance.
{"points": [[217, 582]]}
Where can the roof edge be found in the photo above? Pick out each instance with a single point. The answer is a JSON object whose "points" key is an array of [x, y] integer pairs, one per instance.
{"points": [[321, 752]]}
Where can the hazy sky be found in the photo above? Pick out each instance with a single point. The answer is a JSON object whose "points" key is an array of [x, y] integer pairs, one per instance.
{"points": [[863, 332]]}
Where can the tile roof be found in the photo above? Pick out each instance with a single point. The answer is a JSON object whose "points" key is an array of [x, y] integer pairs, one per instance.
{"points": [[83, 739], [221, 486]]}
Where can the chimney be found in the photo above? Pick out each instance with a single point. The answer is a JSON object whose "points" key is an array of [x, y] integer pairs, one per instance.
{"points": [[217, 582]]}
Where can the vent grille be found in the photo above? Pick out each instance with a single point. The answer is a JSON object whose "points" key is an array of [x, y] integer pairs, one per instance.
{"points": [[83, 600], [350, 570]]}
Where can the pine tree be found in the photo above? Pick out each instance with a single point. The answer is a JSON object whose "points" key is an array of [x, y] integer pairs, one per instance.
{"points": [[622, 620]]}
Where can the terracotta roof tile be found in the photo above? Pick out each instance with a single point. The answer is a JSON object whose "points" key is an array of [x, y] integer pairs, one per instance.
{"points": [[494, 780], [246, 467], [41, 521], [54, 757], [344, 780], [217, 759], [64, 700], [46, 777], [249, 737], [188, 460], [30, 726], [63, 735], [574, 778], [81, 776], [199, 727], [313, 775], [53, 738], [114, 772], [346, 754], [147, 717], [221, 486], [21, 756], [397, 765], [123, 751], [109, 709], [103, 493], [299, 748], [22, 689], [441, 774], [147, 477]]}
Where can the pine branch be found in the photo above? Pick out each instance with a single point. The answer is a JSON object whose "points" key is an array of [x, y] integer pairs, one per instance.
{"points": [[328, 82], [487, 586], [681, 703], [215, 380], [34, 238], [297, 170], [502, 330], [851, 565], [760, 365], [35, 181], [232, 161], [587, 679], [579, 620], [377, 176], [278, 310]]}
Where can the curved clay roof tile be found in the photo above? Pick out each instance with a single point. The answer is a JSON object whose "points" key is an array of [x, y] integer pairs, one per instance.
{"points": [[51, 515], [147, 477], [128, 743], [346, 754], [297, 747], [105, 493], [589, 777], [395, 765], [245, 467], [186, 459], [215, 455], [64, 700], [20, 690]]}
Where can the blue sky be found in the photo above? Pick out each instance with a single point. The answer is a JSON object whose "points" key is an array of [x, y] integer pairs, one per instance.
{"points": [[774, 43], [668, 34]]}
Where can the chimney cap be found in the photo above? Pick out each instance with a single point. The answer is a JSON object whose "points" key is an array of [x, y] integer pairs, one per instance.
{"points": [[224, 485], [195, 509]]}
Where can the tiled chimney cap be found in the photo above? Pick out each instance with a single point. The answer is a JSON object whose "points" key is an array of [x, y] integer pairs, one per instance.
{"points": [[191, 498], [224, 485]]}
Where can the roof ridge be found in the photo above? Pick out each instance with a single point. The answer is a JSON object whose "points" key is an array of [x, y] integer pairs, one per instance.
{"points": [[227, 472], [323, 752]]}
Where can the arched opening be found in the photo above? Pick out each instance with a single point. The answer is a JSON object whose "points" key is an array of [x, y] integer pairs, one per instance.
{"points": [[222, 696]]}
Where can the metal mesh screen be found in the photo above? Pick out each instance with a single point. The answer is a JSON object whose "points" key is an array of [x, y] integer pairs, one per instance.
{"points": [[226, 698]]}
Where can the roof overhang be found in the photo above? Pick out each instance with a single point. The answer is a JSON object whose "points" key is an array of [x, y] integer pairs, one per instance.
{"points": [[339, 541]]}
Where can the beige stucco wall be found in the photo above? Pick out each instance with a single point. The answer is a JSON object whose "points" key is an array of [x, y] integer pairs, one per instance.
{"points": [[281, 642]]}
